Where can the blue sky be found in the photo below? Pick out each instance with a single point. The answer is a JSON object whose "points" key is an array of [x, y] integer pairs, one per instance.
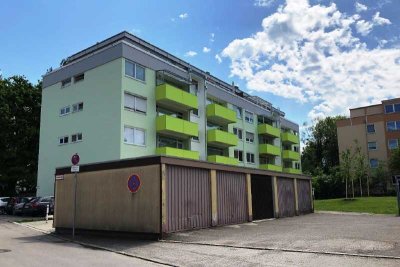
{"points": [[309, 58]]}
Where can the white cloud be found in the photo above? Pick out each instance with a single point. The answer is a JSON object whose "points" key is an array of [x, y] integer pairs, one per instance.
{"points": [[263, 3], [206, 49], [184, 16], [218, 58], [212, 37], [190, 53], [379, 20], [309, 53], [360, 7]]}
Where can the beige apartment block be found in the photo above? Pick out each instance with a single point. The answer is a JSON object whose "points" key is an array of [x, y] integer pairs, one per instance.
{"points": [[376, 129]]}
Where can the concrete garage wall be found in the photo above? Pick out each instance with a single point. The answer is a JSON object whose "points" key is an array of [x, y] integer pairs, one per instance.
{"points": [[105, 203]]}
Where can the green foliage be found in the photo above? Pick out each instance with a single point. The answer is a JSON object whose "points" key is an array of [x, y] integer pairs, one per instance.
{"points": [[394, 162], [19, 134], [378, 205], [328, 185]]}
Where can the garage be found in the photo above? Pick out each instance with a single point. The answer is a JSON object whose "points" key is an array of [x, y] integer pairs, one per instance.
{"points": [[262, 197], [304, 196], [286, 197]]}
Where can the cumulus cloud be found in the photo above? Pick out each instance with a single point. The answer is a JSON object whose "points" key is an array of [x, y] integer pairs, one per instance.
{"points": [[218, 58], [365, 27], [190, 53], [360, 7], [206, 49], [263, 3], [184, 16], [378, 20], [309, 53]]}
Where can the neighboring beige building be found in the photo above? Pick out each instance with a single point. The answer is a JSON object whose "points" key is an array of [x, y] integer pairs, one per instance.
{"points": [[376, 127]]}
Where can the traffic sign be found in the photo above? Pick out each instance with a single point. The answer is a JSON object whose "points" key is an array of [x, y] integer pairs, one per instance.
{"points": [[134, 183], [75, 159], [75, 168]]}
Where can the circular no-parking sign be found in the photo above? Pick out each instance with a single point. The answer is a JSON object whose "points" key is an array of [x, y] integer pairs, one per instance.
{"points": [[134, 183], [75, 159]]}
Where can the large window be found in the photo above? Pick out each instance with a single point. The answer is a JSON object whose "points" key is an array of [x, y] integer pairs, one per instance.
{"points": [[372, 146], [238, 132], [373, 163], [392, 108], [238, 111], [169, 142], [249, 117], [249, 137], [393, 143], [371, 128], [250, 157], [135, 103], [238, 154], [134, 70], [392, 126], [134, 136]]}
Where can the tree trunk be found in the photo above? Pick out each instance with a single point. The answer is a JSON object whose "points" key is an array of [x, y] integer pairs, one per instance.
{"points": [[361, 194], [367, 185], [352, 187], [346, 187]]}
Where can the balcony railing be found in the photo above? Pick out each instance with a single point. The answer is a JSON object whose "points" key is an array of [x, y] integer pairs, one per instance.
{"points": [[269, 149], [176, 152], [222, 160], [171, 126], [220, 115], [220, 138], [268, 130], [290, 155], [289, 138], [174, 98], [271, 167]]}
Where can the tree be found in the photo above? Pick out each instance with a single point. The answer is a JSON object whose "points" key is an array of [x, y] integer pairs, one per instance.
{"points": [[360, 166], [346, 168], [394, 162], [19, 134]]}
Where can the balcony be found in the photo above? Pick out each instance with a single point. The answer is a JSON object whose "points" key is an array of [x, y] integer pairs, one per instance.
{"points": [[221, 139], [268, 130], [174, 98], [271, 167], [220, 115], [222, 160], [176, 127], [269, 150], [290, 155], [292, 170], [289, 138], [176, 152]]}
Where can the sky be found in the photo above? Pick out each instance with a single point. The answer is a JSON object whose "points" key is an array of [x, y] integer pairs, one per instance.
{"points": [[311, 58]]}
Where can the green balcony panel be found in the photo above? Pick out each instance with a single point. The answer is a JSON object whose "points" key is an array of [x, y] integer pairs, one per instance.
{"points": [[290, 155], [222, 160], [220, 138], [176, 152], [220, 115], [289, 138], [292, 170], [268, 130], [174, 98], [271, 167], [269, 149], [176, 127]]}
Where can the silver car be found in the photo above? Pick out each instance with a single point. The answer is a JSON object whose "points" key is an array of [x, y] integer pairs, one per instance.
{"points": [[3, 204]]}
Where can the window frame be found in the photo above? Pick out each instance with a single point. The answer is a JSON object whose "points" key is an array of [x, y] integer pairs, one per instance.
{"points": [[81, 77], [63, 137], [248, 140], [372, 149], [251, 119], [373, 126], [77, 105], [135, 129], [237, 132], [77, 138], [252, 156], [65, 113], [397, 143], [63, 84], [135, 71], [239, 152], [135, 105], [375, 166]]}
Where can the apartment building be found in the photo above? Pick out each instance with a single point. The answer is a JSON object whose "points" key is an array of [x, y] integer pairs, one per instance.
{"points": [[375, 127], [125, 98]]}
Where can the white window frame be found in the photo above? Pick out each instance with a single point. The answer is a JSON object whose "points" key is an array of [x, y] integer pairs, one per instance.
{"points": [[376, 145], [135, 129], [63, 138], [237, 132], [249, 119], [65, 113], [248, 140], [77, 105], [134, 109], [238, 153], [397, 143], [77, 138], [254, 158], [134, 71]]}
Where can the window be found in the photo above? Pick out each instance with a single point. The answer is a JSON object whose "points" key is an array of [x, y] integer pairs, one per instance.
{"points": [[66, 82], [393, 143], [392, 108], [238, 111], [372, 146], [63, 140], [238, 132], [392, 126], [135, 71], [134, 136], [195, 112], [370, 128], [249, 137], [77, 107], [79, 77], [170, 142], [135, 103], [195, 138], [250, 158], [373, 163], [238, 154], [65, 110], [76, 137], [249, 117], [296, 149], [297, 165]]}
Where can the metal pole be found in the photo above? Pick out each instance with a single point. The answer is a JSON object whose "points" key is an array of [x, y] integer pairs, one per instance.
{"points": [[74, 212], [398, 196]]}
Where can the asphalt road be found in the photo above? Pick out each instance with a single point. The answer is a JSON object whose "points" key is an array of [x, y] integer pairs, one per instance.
{"points": [[21, 246]]}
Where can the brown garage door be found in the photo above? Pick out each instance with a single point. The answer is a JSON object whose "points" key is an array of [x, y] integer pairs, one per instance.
{"points": [[188, 198], [286, 197], [303, 192], [231, 199]]}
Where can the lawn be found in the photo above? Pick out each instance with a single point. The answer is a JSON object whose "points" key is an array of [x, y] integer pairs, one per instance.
{"points": [[378, 205]]}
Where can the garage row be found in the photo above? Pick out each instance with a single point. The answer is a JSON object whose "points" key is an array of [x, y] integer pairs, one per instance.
{"points": [[174, 195]]}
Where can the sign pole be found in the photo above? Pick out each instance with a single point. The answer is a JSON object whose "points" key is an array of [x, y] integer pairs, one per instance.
{"points": [[398, 195], [74, 212]]}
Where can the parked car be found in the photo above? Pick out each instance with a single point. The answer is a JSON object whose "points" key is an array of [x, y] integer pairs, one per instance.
{"points": [[3, 204], [38, 206], [14, 201], [18, 208]]}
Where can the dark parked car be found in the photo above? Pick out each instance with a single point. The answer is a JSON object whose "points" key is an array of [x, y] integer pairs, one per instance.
{"points": [[18, 208], [14, 201], [38, 206]]}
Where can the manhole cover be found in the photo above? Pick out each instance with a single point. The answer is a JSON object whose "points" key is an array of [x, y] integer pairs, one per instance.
{"points": [[4, 250]]}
